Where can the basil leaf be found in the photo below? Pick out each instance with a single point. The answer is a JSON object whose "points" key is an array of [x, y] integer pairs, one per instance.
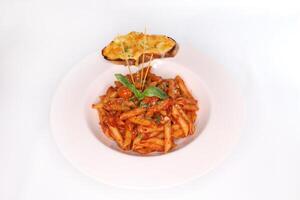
{"points": [[152, 91], [149, 92], [130, 86]]}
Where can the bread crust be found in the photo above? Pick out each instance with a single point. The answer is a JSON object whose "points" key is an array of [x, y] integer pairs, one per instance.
{"points": [[147, 56]]}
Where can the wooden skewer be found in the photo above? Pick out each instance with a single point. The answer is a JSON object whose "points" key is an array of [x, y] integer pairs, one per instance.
{"points": [[127, 63], [136, 63], [131, 76], [143, 60], [147, 70], [136, 44]]}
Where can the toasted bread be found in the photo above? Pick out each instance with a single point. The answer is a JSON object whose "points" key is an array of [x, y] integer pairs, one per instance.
{"points": [[137, 48]]}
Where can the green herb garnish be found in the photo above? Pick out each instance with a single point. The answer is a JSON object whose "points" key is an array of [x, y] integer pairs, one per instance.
{"points": [[130, 86], [151, 91]]}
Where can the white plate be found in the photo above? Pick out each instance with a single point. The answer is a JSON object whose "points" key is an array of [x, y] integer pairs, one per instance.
{"points": [[77, 134]]}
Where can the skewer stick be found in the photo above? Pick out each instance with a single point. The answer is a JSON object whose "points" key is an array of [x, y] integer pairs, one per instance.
{"points": [[147, 70], [136, 63], [127, 63], [143, 60], [131, 76]]}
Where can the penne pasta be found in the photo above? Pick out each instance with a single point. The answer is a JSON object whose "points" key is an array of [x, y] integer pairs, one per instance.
{"points": [[193, 116], [183, 124], [156, 141], [127, 140], [168, 136], [136, 141], [184, 101], [149, 124], [143, 150], [154, 144], [175, 127], [161, 135], [116, 107], [151, 147], [106, 131], [140, 121], [171, 89], [116, 135], [185, 117], [183, 87], [110, 91], [97, 105], [132, 113], [154, 83], [190, 107], [154, 134], [144, 129], [112, 94], [163, 105], [178, 134]]}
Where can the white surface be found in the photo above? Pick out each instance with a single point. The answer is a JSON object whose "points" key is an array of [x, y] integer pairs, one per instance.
{"points": [[75, 124], [41, 40]]}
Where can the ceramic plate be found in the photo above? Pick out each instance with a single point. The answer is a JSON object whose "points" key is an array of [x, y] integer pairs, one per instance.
{"points": [[77, 133]]}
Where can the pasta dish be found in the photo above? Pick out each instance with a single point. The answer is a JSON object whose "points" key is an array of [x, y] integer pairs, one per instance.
{"points": [[151, 123]]}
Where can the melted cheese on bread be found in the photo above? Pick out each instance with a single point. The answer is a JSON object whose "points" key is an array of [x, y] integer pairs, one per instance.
{"points": [[134, 44]]}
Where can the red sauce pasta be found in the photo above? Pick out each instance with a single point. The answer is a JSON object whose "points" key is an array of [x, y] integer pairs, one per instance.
{"points": [[147, 123]]}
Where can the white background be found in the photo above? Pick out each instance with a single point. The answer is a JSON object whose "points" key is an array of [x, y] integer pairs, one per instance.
{"points": [[257, 41]]}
